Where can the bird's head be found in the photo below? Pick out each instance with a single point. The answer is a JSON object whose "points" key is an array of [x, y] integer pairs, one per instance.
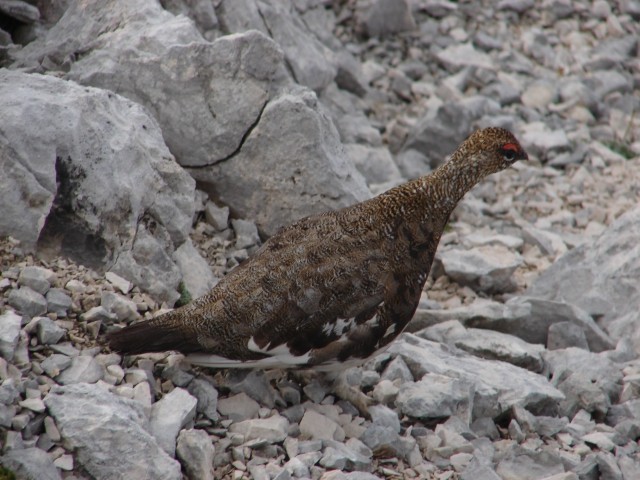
{"points": [[490, 150]]}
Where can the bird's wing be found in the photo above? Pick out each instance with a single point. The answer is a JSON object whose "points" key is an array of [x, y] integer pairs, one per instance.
{"points": [[304, 288]]}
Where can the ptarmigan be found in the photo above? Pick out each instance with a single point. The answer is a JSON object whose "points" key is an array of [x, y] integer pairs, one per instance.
{"points": [[330, 288]]}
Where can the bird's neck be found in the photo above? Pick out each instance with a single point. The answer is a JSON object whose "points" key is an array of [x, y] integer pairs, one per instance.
{"points": [[439, 192], [455, 178]]}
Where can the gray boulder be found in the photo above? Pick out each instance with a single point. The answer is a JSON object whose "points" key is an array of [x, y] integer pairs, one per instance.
{"points": [[109, 434], [525, 317], [308, 162], [110, 179], [309, 61], [590, 381], [498, 385], [600, 276], [152, 37], [487, 344], [437, 396]]}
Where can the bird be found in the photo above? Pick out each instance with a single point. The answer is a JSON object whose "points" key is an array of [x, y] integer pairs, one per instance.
{"points": [[331, 289]]}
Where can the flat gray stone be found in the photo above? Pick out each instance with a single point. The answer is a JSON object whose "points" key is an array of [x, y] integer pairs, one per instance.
{"points": [[196, 272], [37, 278], [566, 334], [217, 217], [117, 281], [437, 396], [397, 370], [338, 475], [317, 426], [539, 139], [83, 369], [56, 363], [122, 307], [28, 302], [385, 441], [238, 407], [375, 164], [297, 468], [108, 434], [58, 301], [169, 415], [594, 279], [30, 464], [528, 318], [49, 332], [195, 451], [384, 416], [10, 324], [457, 56], [246, 233], [353, 456], [487, 268], [100, 314], [254, 383], [549, 243], [273, 429], [207, 397], [529, 465], [487, 344]]}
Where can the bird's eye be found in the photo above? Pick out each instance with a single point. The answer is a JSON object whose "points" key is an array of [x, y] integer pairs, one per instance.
{"points": [[509, 155], [509, 152]]}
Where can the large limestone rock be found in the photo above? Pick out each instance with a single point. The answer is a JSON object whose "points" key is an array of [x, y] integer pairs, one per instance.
{"points": [[87, 174], [206, 96], [109, 434], [296, 162], [220, 105]]}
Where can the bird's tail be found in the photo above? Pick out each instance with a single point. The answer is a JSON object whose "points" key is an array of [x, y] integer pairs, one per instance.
{"points": [[166, 332]]}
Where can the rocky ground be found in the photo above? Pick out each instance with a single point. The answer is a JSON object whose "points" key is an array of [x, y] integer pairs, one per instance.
{"points": [[523, 360]]}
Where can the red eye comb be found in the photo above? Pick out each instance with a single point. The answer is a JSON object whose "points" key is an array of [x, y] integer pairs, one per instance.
{"points": [[511, 146]]}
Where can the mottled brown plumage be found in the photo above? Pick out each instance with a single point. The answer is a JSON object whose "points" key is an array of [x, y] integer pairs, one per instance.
{"points": [[331, 287]]}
